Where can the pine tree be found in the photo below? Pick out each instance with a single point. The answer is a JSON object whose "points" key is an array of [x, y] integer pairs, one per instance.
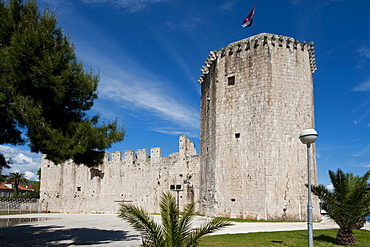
{"points": [[44, 91]]}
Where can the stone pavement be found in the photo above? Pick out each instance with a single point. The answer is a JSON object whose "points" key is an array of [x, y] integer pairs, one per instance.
{"points": [[109, 230]]}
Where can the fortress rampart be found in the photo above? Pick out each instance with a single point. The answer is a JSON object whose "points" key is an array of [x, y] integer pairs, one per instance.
{"points": [[257, 97], [136, 177]]}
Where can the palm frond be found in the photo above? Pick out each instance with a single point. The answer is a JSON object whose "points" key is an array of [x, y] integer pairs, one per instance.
{"points": [[170, 218], [142, 222], [175, 230], [186, 220], [349, 202], [204, 229]]}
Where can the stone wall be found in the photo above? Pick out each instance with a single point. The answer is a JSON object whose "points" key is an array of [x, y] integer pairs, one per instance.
{"points": [[136, 178], [257, 97]]}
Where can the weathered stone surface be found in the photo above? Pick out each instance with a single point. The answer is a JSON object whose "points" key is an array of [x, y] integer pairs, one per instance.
{"points": [[257, 97], [136, 178]]}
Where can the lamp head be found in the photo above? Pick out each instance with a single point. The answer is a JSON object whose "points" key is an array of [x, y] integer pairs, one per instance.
{"points": [[308, 136]]}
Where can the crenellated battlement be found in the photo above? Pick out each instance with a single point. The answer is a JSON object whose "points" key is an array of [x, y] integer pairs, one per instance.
{"points": [[186, 148], [256, 92], [134, 177], [254, 42]]}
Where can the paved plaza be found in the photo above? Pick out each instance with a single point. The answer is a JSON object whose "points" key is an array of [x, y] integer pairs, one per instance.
{"points": [[109, 230]]}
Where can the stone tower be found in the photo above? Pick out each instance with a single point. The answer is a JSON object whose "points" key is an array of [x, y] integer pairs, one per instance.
{"points": [[257, 97]]}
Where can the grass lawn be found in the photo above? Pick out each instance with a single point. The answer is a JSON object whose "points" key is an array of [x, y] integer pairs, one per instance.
{"points": [[287, 238]]}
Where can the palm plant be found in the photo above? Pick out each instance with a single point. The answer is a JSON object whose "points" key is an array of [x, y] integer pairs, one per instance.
{"points": [[175, 230], [17, 178], [347, 204]]}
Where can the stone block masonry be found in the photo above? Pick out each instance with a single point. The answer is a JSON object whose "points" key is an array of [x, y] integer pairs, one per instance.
{"points": [[257, 96], [135, 178]]}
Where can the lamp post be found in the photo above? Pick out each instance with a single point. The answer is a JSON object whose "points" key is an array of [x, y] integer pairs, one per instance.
{"points": [[177, 188], [307, 137]]}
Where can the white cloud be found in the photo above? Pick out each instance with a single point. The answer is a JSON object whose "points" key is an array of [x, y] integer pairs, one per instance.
{"points": [[367, 165], [134, 92], [31, 176], [363, 87], [323, 2], [130, 5], [330, 187], [125, 84], [364, 51], [229, 5], [23, 161], [129, 86], [364, 151], [186, 25]]}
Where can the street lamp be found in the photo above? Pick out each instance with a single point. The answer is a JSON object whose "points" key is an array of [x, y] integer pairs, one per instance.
{"points": [[307, 137], [177, 188]]}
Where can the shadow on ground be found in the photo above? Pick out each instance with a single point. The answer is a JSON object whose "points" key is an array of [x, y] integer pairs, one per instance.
{"points": [[27, 235], [324, 238]]}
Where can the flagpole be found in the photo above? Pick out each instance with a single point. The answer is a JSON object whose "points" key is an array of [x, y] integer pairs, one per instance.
{"points": [[254, 26], [254, 29]]}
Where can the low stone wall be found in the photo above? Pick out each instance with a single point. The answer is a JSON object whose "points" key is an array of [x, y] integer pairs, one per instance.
{"points": [[21, 205]]}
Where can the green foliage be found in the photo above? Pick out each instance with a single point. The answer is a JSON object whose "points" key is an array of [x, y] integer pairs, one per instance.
{"points": [[3, 164], [175, 230], [348, 203], [252, 220], [17, 178], [322, 238], [45, 92]]}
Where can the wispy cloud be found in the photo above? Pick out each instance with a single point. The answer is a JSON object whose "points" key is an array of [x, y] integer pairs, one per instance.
{"points": [[364, 106], [186, 25], [364, 51], [229, 5], [129, 5], [66, 6], [129, 86], [132, 92], [364, 151], [323, 2], [367, 165], [363, 87], [23, 161], [125, 84]]}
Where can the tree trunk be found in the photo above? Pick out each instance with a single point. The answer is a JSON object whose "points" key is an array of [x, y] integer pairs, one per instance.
{"points": [[359, 224], [345, 237]]}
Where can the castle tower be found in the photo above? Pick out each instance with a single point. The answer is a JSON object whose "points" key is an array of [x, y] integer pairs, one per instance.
{"points": [[257, 97]]}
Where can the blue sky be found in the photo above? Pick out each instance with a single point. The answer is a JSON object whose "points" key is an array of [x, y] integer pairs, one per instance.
{"points": [[149, 54]]}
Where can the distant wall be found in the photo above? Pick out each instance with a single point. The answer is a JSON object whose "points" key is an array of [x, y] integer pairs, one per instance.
{"points": [[135, 177], [22, 205]]}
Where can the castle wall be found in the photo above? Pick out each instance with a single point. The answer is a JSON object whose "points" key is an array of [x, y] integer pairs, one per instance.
{"points": [[136, 178], [257, 97]]}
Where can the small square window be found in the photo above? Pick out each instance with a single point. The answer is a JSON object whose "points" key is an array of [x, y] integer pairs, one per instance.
{"points": [[78, 188], [237, 135], [231, 80], [233, 200]]}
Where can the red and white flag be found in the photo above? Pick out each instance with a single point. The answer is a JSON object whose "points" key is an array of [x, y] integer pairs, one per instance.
{"points": [[249, 19]]}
